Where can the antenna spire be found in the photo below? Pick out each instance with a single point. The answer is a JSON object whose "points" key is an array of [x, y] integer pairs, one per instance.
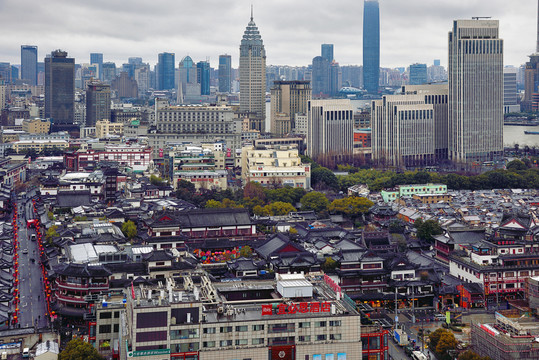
{"points": [[251, 12]]}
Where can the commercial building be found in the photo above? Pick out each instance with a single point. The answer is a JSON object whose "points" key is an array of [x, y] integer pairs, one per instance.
{"points": [[410, 190], [330, 128], [201, 322], [320, 77], [188, 86], [253, 76], [29, 64], [97, 59], [371, 46], [279, 165], [510, 92], [109, 72], [60, 88], [39, 145], [203, 77], [125, 86], [165, 71], [418, 74], [137, 158], [327, 52], [97, 103], [225, 73], [104, 128], [36, 126], [475, 91], [402, 130], [287, 99]]}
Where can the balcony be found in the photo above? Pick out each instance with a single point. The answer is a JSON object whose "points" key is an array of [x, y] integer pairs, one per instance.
{"points": [[77, 286], [71, 299]]}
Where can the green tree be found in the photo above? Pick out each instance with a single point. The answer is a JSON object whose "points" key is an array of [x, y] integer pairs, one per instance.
{"points": [[246, 251], [156, 180], [446, 342], [213, 204], [279, 208], [315, 201], [254, 190], [259, 211], [323, 178], [77, 349], [129, 229], [516, 165], [252, 203], [434, 337], [427, 229], [329, 264], [50, 215], [52, 232], [353, 206]]}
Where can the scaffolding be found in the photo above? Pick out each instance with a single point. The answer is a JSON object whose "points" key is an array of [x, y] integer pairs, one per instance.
{"points": [[488, 341]]}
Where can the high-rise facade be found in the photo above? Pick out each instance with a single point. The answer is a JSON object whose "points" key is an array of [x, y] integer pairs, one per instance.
{"points": [[97, 103], [188, 86], [225, 73], [371, 46], [418, 74], [203, 77], [510, 92], [327, 52], [253, 76], [320, 77], [60, 88], [531, 77], [165, 67], [330, 128], [288, 98], [475, 91], [29, 64], [97, 59], [109, 71]]}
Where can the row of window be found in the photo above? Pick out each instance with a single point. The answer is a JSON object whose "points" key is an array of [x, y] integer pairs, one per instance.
{"points": [[261, 341]]}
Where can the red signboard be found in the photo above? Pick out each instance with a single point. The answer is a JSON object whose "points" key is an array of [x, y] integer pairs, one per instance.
{"points": [[297, 308], [283, 352]]}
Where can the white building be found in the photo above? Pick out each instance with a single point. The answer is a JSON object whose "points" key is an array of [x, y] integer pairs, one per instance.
{"points": [[475, 91]]}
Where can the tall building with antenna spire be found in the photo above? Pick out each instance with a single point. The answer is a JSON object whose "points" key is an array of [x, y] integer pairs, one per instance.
{"points": [[253, 76]]}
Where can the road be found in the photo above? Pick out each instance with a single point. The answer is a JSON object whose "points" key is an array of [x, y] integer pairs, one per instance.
{"points": [[33, 307]]}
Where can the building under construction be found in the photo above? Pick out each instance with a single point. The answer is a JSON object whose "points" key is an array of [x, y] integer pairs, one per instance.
{"points": [[511, 337]]}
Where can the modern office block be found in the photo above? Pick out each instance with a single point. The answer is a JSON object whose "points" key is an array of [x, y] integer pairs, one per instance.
{"points": [[287, 99], [97, 59], [371, 46], [97, 103], [418, 74], [29, 64], [203, 77], [165, 67], [475, 91], [320, 77], [327, 52], [225, 73], [330, 128], [253, 76], [109, 71], [60, 88]]}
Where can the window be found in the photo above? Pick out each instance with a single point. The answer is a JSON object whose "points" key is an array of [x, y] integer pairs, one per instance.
{"points": [[335, 323], [116, 328], [242, 328], [319, 324], [225, 343], [257, 341], [116, 314], [303, 325], [209, 330], [304, 338], [105, 329], [335, 336], [321, 337], [105, 315], [259, 327], [225, 329], [240, 342]]}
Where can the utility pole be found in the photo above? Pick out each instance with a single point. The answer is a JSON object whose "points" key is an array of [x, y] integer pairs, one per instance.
{"points": [[396, 309]]}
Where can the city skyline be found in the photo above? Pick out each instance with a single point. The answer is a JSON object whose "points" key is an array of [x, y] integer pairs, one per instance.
{"points": [[411, 32]]}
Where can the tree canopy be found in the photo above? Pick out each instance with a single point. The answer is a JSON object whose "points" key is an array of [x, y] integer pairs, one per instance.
{"points": [[426, 230], [353, 206], [129, 229], [315, 201], [77, 349]]}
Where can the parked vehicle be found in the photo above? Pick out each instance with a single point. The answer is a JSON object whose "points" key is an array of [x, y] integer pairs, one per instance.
{"points": [[401, 337]]}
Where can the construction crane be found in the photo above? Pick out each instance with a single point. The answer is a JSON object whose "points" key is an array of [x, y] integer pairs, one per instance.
{"points": [[481, 17]]}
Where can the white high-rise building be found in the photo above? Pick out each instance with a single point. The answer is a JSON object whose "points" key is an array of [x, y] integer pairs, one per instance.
{"points": [[330, 127], [253, 76], [475, 91]]}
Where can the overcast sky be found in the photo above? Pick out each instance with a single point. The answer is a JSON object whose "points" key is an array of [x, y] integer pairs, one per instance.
{"points": [[411, 30]]}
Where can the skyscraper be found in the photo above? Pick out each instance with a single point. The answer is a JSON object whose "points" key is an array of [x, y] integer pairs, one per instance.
{"points": [[531, 77], [109, 71], [203, 77], [475, 91], [97, 59], [371, 46], [288, 98], [225, 73], [330, 128], [60, 88], [253, 76], [165, 67], [320, 77], [418, 74], [510, 92], [188, 87], [97, 102], [327, 52], [29, 64]]}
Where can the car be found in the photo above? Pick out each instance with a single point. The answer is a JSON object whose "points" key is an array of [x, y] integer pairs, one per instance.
{"points": [[33, 237], [439, 317], [25, 251]]}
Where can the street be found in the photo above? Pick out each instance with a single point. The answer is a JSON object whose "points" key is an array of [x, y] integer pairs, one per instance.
{"points": [[33, 308]]}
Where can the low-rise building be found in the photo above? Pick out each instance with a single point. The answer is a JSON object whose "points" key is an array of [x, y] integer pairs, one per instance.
{"points": [[36, 126], [39, 145], [105, 128], [410, 190], [271, 166]]}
